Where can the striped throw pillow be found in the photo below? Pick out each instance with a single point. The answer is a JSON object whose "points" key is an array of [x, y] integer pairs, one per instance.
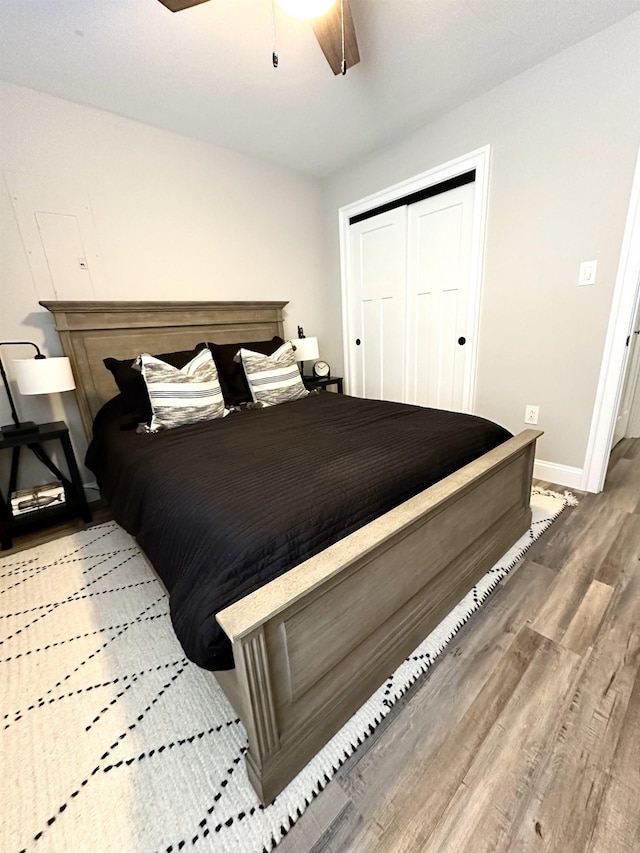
{"points": [[273, 379], [185, 396]]}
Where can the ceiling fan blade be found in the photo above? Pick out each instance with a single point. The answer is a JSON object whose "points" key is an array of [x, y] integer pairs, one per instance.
{"points": [[179, 5], [328, 30]]}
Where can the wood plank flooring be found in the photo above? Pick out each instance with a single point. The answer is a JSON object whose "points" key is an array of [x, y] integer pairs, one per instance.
{"points": [[525, 735]]}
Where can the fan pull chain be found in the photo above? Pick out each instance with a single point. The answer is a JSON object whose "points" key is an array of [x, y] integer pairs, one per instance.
{"points": [[274, 53], [343, 64]]}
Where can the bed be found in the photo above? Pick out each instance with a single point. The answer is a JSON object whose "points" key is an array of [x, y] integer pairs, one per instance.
{"points": [[289, 654]]}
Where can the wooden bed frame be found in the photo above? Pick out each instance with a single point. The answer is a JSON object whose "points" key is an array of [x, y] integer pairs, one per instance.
{"points": [[312, 646]]}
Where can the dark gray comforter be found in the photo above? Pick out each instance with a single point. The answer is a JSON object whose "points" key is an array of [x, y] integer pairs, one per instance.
{"points": [[222, 507]]}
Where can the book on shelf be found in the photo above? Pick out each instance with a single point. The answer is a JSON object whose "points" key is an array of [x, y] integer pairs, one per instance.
{"points": [[37, 497]]}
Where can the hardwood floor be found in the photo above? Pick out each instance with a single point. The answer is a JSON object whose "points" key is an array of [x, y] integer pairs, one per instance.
{"points": [[100, 513], [525, 735]]}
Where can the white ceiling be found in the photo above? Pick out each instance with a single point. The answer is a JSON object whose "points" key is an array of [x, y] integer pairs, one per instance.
{"points": [[206, 72]]}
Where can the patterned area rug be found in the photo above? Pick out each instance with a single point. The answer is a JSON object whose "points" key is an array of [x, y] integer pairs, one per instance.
{"points": [[113, 741]]}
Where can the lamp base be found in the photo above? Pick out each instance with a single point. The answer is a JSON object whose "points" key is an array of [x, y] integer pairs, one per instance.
{"points": [[20, 429]]}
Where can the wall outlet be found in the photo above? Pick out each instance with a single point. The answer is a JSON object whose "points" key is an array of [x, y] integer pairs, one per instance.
{"points": [[531, 414]]}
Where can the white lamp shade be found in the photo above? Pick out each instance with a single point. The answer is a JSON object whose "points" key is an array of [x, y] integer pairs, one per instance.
{"points": [[43, 375], [306, 348], [306, 8]]}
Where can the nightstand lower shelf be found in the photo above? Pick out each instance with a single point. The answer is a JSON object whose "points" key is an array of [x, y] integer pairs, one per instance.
{"points": [[75, 504]]}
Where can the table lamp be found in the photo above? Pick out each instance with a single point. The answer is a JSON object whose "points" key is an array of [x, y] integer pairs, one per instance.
{"points": [[37, 375], [306, 349]]}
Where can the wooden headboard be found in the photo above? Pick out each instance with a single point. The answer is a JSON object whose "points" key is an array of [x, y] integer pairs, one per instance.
{"points": [[92, 331]]}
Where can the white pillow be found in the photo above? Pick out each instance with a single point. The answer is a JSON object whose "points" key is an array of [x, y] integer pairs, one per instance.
{"points": [[185, 396], [272, 379]]}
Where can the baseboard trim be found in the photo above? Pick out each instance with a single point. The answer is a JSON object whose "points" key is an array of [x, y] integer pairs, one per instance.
{"points": [[562, 475]]}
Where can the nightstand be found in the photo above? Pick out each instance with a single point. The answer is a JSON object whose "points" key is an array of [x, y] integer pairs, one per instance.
{"points": [[311, 382], [75, 504]]}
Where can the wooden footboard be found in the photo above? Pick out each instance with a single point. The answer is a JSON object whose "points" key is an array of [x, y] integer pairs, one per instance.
{"points": [[312, 646]]}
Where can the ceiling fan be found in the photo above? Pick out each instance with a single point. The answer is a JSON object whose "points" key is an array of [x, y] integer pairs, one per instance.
{"points": [[340, 52]]}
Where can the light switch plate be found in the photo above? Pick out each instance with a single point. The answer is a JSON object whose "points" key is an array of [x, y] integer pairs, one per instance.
{"points": [[587, 273]]}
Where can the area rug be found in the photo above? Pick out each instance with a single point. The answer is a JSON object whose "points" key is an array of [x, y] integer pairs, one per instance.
{"points": [[113, 741]]}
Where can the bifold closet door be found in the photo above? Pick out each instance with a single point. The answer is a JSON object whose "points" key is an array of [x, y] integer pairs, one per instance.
{"points": [[408, 298], [377, 305], [439, 246]]}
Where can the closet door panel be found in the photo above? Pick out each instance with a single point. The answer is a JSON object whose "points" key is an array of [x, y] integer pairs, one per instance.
{"points": [[377, 306], [439, 245], [419, 325]]}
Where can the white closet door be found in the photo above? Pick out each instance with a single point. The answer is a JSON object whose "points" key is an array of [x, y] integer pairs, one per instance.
{"points": [[377, 305], [439, 245]]}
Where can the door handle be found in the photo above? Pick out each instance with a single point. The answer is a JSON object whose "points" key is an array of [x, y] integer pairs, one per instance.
{"points": [[462, 341], [357, 342]]}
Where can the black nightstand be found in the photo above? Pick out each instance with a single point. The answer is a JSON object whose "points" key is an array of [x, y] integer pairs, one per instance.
{"points": [[75, 504], [310, 383]]}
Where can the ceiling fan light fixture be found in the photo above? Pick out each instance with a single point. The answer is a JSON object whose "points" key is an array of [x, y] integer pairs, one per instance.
{"points": [[306, 9]]}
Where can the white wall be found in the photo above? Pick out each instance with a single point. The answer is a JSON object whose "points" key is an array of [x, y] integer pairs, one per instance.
{"points": [[174, 219], [564, 138]]}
